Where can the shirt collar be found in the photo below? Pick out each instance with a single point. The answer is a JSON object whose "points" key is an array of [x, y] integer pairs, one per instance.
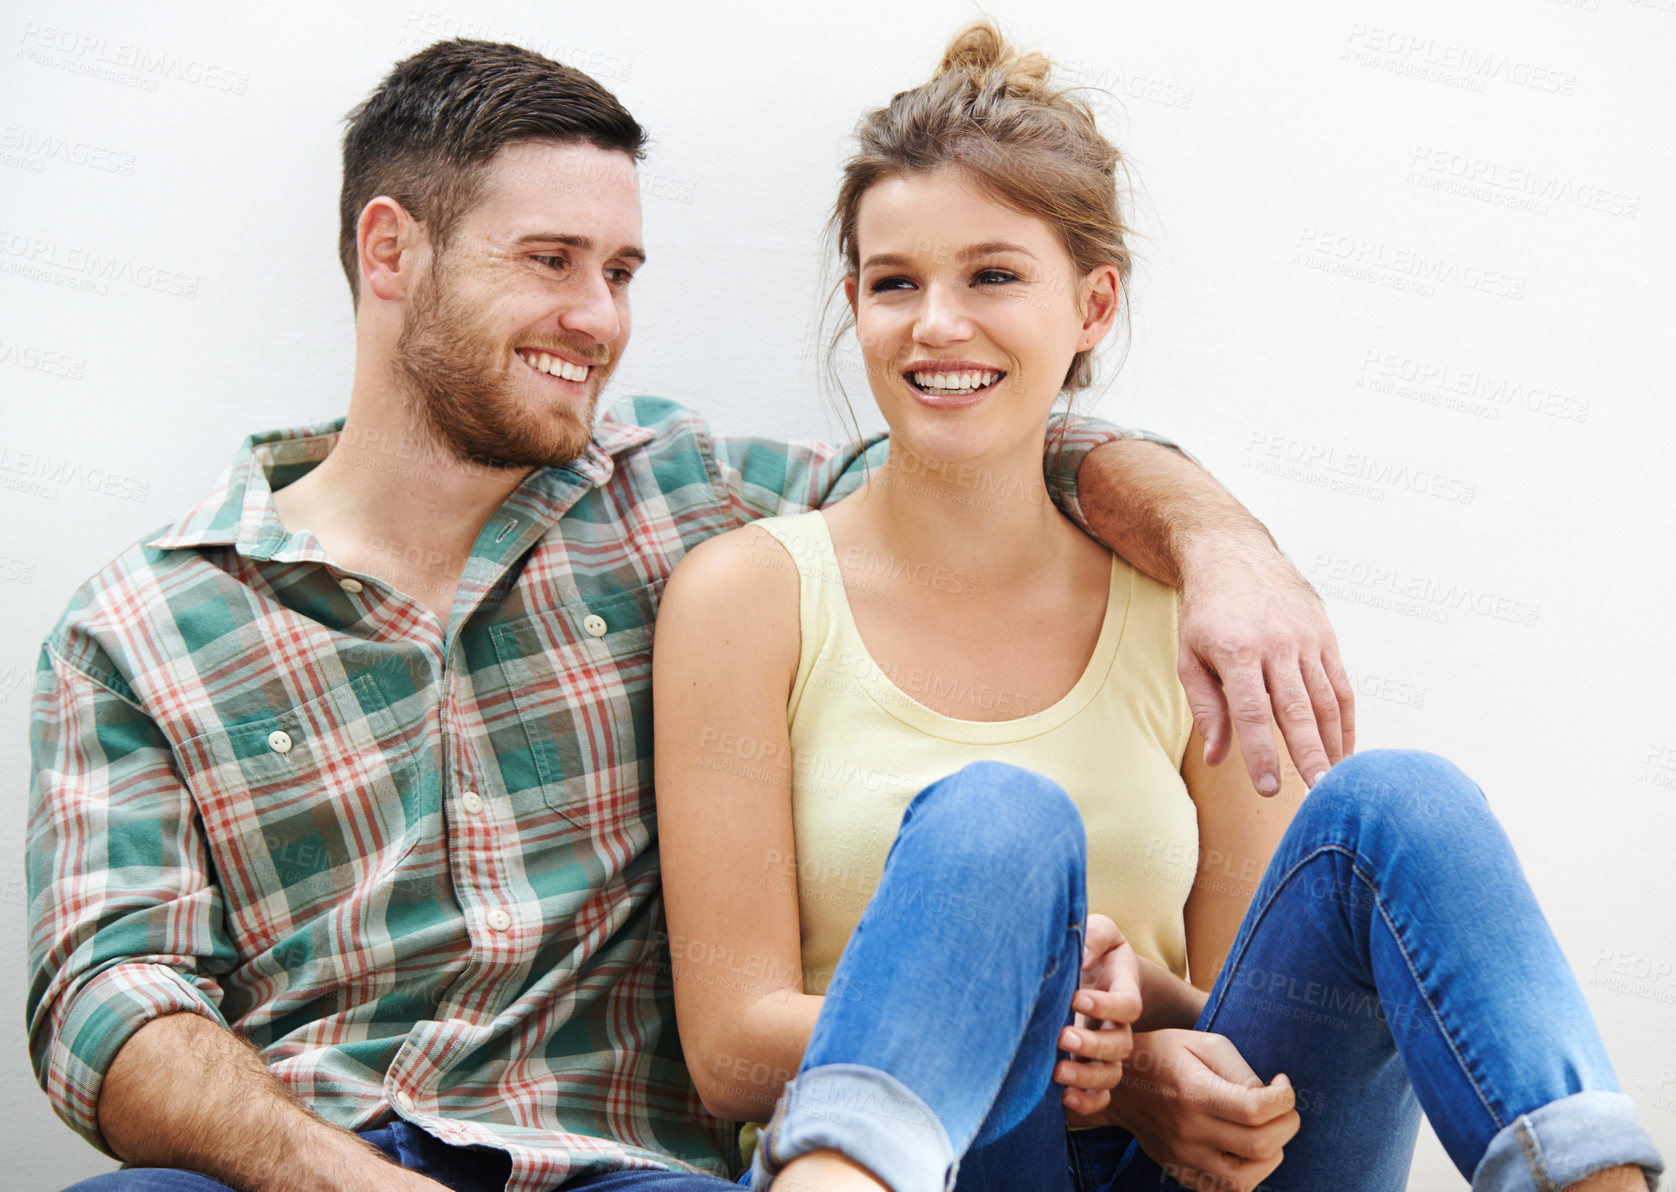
{"points": [[239, 510]]}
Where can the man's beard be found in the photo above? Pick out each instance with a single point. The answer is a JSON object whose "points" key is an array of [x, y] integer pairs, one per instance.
{"points": [[464, 399]]}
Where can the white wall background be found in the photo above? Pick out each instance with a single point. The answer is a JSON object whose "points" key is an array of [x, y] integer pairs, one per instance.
{"points": [[1406, 287]]}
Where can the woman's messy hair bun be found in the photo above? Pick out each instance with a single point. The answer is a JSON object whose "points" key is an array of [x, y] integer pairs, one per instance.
{"points": [[981, 53]]}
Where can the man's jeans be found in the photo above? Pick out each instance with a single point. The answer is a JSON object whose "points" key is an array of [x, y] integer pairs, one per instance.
{"points": [[464, 1169], [1392, 960]]}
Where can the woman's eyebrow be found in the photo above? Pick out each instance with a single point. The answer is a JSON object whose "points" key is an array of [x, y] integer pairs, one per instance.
{"points": [[987, 248]]}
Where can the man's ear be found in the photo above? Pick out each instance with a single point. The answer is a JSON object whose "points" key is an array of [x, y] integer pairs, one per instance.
{"points": [[391, 246], [1101, 290]]}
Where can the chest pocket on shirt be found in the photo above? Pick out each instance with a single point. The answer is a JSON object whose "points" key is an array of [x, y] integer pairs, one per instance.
{"points": [[307, 809], [580, 678]]}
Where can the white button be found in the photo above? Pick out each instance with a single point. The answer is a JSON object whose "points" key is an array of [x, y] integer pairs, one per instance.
{"points": [[472, 802], [594, 624], [499, 919], [279, 741], [403, 1100], [349, 585]]}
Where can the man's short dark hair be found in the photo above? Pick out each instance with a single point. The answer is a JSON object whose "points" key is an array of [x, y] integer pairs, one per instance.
{"points": [[425, 134]]}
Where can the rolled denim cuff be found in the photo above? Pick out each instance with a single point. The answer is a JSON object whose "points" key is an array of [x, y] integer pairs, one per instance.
{"points": [[866, 1115], [1564, 1141]]}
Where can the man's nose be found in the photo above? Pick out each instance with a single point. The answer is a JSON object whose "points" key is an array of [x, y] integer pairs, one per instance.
{"points": [[592, 311]]}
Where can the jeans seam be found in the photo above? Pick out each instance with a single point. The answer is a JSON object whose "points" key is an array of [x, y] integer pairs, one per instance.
{"points": [[1531, 1148], [1379, 902], [1437, 1015]]}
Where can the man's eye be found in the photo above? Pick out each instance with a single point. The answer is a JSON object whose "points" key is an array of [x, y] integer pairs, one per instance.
{"points": [[994, 277], [619, 277], [889, 283], [555, 262]]}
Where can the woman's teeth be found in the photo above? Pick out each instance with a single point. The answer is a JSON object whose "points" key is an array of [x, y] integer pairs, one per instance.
{"points": [[955, 382], [554, 366]]}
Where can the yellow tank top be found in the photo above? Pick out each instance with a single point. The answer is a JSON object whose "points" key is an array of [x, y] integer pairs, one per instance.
{"points": [[863, 746]]}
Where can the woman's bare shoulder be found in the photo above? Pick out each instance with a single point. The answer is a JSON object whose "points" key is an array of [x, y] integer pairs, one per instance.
{"points": [[744, 578]]}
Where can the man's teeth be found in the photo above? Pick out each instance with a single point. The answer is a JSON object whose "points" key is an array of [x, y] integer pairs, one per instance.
{"points": [[955, 381], [553, 366]]}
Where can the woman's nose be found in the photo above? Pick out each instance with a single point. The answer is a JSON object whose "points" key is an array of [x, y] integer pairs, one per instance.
{"points": [[942, 317]]}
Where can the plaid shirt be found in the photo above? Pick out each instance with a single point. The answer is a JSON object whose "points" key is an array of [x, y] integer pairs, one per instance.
{"points": [[417, 870]]}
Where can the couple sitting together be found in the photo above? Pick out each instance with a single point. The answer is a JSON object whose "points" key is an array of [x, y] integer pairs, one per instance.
{"points": [[352, 864]]}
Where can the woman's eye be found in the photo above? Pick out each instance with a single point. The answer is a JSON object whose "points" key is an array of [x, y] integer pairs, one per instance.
{"points": [[889, 283], [994, 277]]}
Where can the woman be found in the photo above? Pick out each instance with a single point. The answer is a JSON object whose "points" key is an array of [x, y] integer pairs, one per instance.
{"points": [[909, 946]]}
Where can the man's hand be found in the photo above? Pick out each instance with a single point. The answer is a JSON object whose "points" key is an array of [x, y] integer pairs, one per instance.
{"points": [[1201, 1113], [1106, 1006], [1252, 634]]}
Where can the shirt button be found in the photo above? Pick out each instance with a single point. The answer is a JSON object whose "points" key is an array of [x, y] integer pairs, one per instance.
{"points": [[405, 1101], [472, 802], [594, 624], [279, 741], [349, 585], [499, 919]]}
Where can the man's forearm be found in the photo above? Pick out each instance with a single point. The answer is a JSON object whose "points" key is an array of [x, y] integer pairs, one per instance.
{"points": [[1153, 506], [185, 1092]]}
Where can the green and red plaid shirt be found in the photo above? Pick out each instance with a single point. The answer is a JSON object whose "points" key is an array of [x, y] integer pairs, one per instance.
{"points": [[418, 869]]}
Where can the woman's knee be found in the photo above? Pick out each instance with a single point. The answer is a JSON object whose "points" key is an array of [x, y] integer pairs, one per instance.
{"points": [[1006, 801], [1406, 790]]}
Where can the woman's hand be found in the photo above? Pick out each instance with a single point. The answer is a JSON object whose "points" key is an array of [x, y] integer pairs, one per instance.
{"points": [[1198, 1110], [1106, 1007]]}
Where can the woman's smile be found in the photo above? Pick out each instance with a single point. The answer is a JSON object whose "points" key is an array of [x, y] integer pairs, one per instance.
{"points": [[951, 384]]}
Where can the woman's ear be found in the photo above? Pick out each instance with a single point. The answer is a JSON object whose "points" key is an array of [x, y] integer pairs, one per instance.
{"points": [[389, 240], [849, 292], [1101, 292]]}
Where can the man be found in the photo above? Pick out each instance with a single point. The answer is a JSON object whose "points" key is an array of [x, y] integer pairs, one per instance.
{"points": [[354, 759]]}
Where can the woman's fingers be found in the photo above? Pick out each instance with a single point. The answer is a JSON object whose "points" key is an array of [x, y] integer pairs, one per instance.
{"points": [[1099, 936], [1109, 1045], [1120, 1004]]}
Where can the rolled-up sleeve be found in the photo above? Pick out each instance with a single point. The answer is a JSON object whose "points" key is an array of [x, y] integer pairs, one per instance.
{"points": [[125, 919], [1070, 439]]}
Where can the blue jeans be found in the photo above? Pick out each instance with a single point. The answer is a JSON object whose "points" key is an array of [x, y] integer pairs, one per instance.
{"points": [[464, 1169], [1393, 959]]}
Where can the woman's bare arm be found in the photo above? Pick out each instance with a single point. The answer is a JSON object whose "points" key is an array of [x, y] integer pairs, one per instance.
{"points": [[724, 659], [1239, 831]]}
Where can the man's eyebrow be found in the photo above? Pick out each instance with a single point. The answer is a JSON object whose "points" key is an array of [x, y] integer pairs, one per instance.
{"points": [[987, 248], [584, 243]]}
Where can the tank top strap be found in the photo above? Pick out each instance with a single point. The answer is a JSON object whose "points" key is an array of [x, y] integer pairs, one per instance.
{"points": [[820, 591]]}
